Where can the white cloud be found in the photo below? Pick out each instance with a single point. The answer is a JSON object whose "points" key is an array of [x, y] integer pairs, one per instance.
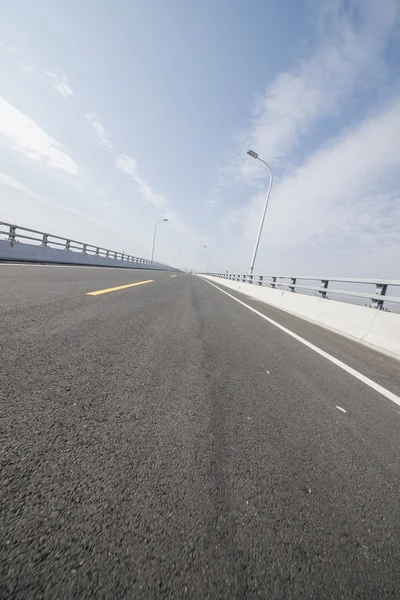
{"points": [[24, 135], [336, 208], [210, 203], [348, 57], [102, 136], [10, 182], [60, 83], [341, 207], [9, 49], [128, 165], [27, 68], [158, 200]]}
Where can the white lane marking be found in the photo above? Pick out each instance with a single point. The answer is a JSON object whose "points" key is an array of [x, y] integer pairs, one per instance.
{"points": [[372, 384], [340, 408]]}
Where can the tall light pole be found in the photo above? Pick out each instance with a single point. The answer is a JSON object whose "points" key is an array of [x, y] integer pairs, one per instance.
{"points": [[154, 237], [175, 257], [253, 260], [208, 256]]}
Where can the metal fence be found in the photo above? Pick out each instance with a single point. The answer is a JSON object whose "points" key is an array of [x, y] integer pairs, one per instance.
{"points": [[15, 233], [378, 296]]}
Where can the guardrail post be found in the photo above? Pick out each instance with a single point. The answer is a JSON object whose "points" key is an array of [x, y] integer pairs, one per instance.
{"points": [[45, 239], [273, 282], [292, 285], [11, 233], [84, 248], [324, 284], [250, 278], [380, 290], [260, 280], [67, 244], [97, 251], [243, 278]]}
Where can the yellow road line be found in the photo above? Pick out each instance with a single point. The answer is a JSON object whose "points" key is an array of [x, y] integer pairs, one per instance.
{"points": [[173, 275], [120, 287]]}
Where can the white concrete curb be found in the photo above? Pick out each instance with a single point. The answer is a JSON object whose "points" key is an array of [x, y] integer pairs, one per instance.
{"points": [[377, 329]]}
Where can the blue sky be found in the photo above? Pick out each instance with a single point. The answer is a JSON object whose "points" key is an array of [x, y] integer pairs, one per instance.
{"points": [[114, 115]]}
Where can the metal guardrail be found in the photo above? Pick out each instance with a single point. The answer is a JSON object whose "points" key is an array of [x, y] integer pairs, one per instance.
{"points": [[378, 296], [49, 240]]}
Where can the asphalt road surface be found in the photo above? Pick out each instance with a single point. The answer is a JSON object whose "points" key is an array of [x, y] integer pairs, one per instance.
{"points": [[163, 441]]}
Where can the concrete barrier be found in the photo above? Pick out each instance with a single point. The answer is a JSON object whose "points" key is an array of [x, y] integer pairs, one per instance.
{"points": [[17, 251], [375, 328]]}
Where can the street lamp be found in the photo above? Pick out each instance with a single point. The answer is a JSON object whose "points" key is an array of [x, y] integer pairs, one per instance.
{"points": [[208, 256], [175, 257], [253, 260], [154, 237]]}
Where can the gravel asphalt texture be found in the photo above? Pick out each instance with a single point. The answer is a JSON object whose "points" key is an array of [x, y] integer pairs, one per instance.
{"points": [[163, 441]]}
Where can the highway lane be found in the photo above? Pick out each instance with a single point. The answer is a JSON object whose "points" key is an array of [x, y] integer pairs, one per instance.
{"points": [[163, 441]]}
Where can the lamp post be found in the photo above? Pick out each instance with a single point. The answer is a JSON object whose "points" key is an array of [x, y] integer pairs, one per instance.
{"points": [[253, 260], [208, 256], [175, 257], [154, 237]]}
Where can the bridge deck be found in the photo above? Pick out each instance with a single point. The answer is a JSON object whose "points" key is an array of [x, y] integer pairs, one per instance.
{"points": [[162, 440]]}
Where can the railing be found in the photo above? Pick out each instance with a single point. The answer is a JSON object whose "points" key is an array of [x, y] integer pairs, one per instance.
{"points": [[13, 233], [290, 283]]}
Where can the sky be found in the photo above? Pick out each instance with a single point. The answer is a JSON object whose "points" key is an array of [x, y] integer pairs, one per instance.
{"points": [[115, 115]]}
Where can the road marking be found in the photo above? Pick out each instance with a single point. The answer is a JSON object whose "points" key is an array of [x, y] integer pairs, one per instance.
{"points": [[372, 384], [340, 408], [119, 287], [174, 276]]}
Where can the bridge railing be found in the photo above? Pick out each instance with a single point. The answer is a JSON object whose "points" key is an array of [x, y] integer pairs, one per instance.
{"points": [[15, 233], [378, 296]]}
